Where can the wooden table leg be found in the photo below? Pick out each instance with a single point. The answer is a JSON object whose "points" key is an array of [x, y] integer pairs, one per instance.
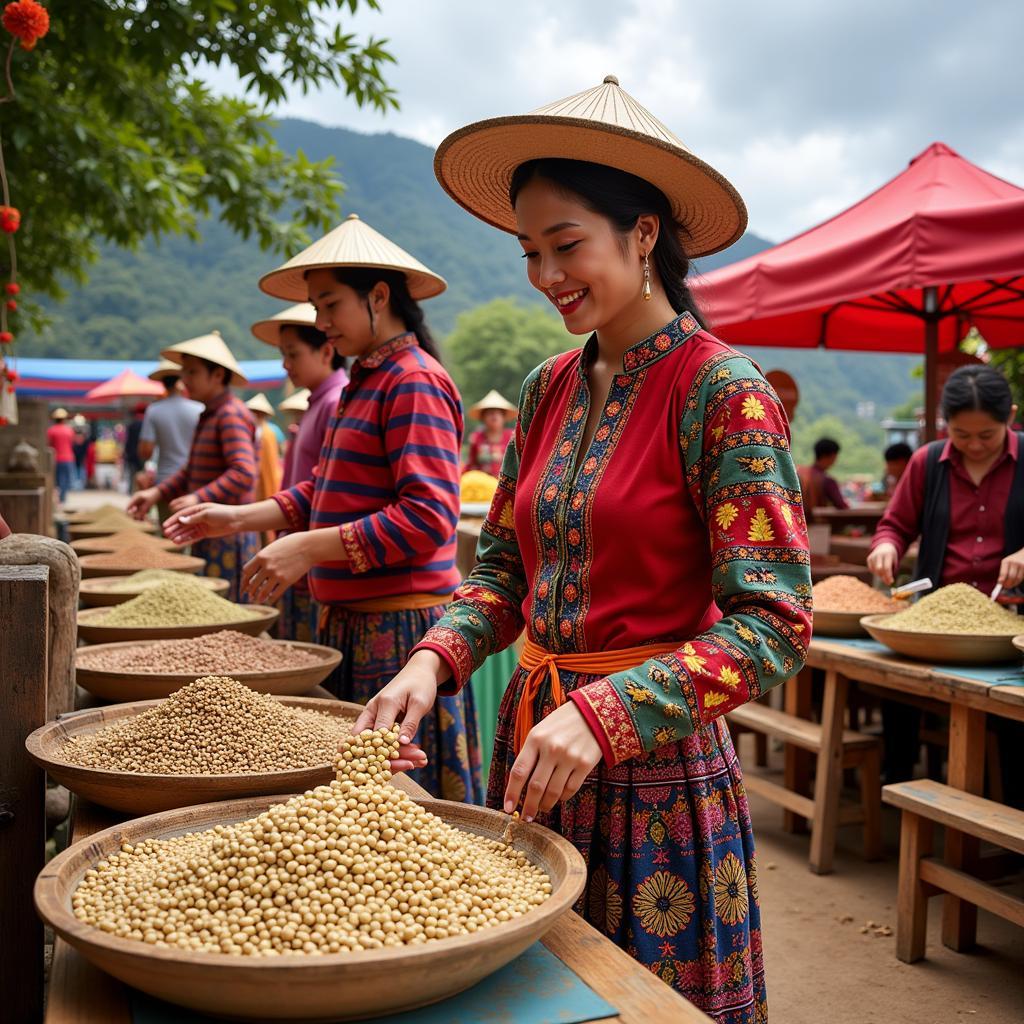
{"points": [[796, 765], [966, 772], [828, 781]]}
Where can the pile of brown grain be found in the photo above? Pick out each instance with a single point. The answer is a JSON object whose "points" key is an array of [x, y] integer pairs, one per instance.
{"points": [[138, 556], [849, 594], [959, 609]]}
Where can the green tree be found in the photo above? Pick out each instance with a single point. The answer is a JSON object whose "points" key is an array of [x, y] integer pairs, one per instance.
{"points": [[496, 345], [113, 139]]}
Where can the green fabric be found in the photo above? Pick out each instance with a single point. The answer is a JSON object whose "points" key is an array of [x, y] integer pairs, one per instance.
{"points": [[488, 683]]}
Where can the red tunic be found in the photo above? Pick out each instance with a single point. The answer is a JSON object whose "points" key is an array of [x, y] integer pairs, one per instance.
{"points": [[486, 456]]}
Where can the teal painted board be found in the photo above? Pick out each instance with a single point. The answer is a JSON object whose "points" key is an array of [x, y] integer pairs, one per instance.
{"points": [[536, 988], [488, 683]]}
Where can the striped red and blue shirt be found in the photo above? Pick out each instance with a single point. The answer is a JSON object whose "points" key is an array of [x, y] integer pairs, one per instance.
{"points": [[222, 461], [388, 478]]}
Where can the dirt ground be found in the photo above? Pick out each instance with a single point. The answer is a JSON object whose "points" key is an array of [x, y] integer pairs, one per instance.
{"points": [[821, 970]]}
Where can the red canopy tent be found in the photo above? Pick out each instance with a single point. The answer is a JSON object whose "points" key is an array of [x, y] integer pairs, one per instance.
{"points": [[910, 268], [126, 384]]}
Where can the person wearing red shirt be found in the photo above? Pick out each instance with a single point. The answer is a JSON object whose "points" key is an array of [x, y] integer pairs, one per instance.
{"points": [[488, 442], [61, 438], [964, 497], [647, 532], [374, 526]]}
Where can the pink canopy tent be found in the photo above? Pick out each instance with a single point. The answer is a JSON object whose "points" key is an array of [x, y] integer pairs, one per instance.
{"points": [[910, 268], [127, 384]]}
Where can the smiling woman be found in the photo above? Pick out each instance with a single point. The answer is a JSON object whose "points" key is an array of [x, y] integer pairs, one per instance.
{"points": [[648, 533]]}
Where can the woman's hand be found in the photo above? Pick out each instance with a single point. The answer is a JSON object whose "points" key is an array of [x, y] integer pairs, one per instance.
{"points": [[884, 561], [267, 576], [202, 520], [1011, 570], [142, 501], [184, 502], [558, 755], [409, 697]]}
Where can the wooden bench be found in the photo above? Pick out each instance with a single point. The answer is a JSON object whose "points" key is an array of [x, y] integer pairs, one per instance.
{"points": [[925, 803], [858, 751]]}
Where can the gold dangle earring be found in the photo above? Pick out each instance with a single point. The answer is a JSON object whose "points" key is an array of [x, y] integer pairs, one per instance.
{"points": [[647, 279]]}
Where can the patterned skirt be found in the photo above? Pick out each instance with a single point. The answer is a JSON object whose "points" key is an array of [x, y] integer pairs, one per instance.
{"points": [[299, 614], [226, 557], [374, 648], [670, 852]]}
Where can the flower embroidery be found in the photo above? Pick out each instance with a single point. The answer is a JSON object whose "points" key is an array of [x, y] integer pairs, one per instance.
{"points": [[767, 667], [639, 694], [752, 408], [757, 464], [691, 659], [664, 903], [719, 375], [663, 735], [731, 890], [787, 514], [713, 699], [606, 901], [725, 515], [760, 527], [746, 633], [658, 675], [673, 711], [729, 677]]}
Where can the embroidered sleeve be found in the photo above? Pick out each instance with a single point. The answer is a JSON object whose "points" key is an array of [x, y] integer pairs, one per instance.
{"points": [[486, 614], [735, 447]]}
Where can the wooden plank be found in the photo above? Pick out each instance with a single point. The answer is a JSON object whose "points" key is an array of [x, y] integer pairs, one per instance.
{"points": [[969, 888], [966, 771], [796, 803], [790, 729], [828, 780], [912, 896], [23, 673], [986, 819]]}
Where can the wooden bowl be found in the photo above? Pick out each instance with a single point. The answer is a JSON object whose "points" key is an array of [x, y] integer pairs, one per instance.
{"points": [[942, 648], [78, 531], [94, 545], [122, 686], [144, 793], [333, 987], [1018, 642], [93, 632], [95, 592], [844, 624], [187, 563]]}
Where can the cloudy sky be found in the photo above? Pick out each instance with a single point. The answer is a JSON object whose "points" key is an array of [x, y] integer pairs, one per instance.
{"points": [[805, 105]]}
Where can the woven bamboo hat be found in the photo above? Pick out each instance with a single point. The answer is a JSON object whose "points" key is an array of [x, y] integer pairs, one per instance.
{"points": [[59, 414], [269, 331], [353, 243], [603, 125], [297, 402], [260, 403], [207, 346], [493, 400], [165, 368]]}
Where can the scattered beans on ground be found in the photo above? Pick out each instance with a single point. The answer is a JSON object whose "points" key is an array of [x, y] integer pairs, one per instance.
{"points": [[214, 726], [350, 866], [227, 651], [849, 594], [182, 601], [958, 608]]}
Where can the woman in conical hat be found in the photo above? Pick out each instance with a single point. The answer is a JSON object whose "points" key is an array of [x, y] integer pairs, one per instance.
{"points": [[648, 534], [221, 463], [488, 442], [375, 527]]}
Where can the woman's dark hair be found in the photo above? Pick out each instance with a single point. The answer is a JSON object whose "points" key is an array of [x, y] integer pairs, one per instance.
{"points": [[896, 452], [225, 372], [825, 446], [623, 198], [170, 382], [977, 389], [362, 279], [314, 339]]}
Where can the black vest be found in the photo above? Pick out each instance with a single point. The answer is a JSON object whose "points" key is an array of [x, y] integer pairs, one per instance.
{"points": [[935, 514]]}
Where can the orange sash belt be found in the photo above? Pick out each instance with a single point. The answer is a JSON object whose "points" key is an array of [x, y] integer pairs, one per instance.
{"points": [[539, 664]]}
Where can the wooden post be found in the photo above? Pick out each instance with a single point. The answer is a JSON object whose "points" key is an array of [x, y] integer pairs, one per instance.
{"points": [[23, 679], [829, 778], [27, 549], [931, 362], [796, 767], [912, 898]]}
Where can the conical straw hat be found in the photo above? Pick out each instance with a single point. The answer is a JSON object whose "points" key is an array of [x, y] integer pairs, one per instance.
{"points": [[269, 331], [260, 403], [165, 368], [353, 243], [207, 346], [297, 402], [493, 400], [603, 125]]}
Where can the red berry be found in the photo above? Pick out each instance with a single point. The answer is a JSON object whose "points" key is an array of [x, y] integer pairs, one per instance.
{"points": [[12, 376], [13, 288], [6, 337], [10, 219], [3, 421], [12, 305]]}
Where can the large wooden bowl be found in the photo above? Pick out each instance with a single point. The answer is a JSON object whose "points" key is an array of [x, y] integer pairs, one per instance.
{"points": [[94, 632], [187, 563], [96, 592], [122, 686], [334, 987], [143, 793], [94, 545], [79, 531], [1018, 642], [942, 648], [844, 624]]}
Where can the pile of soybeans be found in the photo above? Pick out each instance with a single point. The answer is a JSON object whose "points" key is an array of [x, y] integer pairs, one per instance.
{"points": [[214, 726], [849, 594], [350, 866], [226, 651], [958, 608], [181, 601]]}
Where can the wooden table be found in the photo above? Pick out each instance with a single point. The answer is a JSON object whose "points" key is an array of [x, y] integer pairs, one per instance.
{"points": [[857, 549], [82, 994], [865, 514], [968, 700], [821, 570]]}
